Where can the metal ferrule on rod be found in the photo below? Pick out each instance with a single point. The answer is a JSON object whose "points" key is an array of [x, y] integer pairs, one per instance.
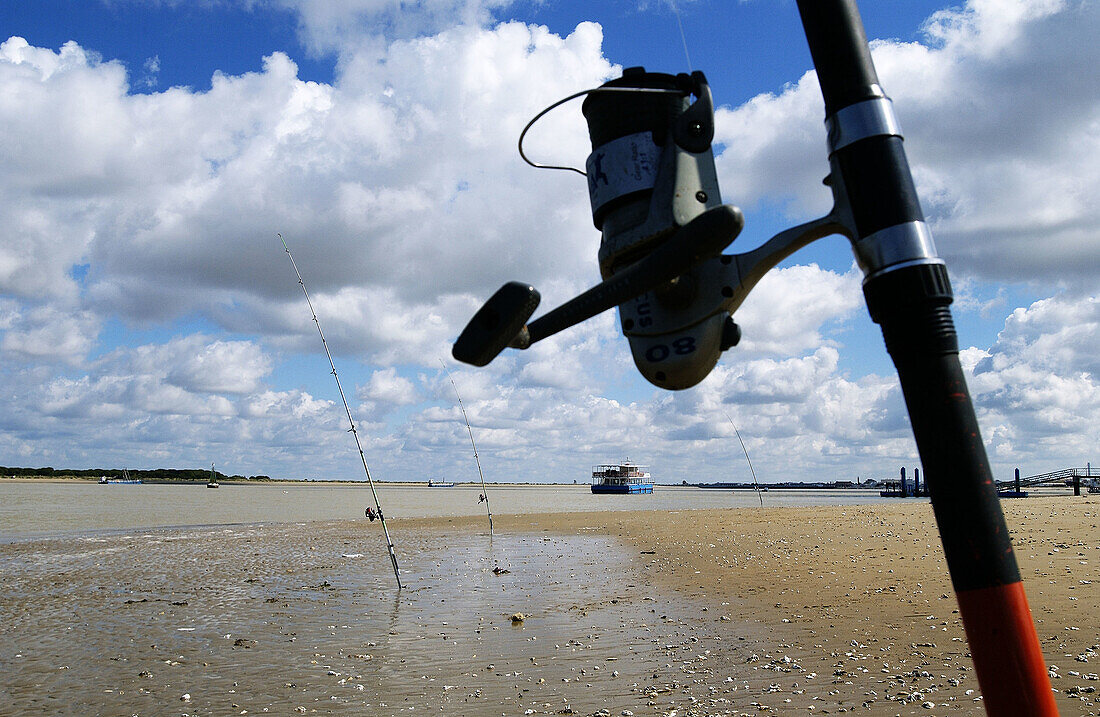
{"points": [[870, 118], [894, 248]]}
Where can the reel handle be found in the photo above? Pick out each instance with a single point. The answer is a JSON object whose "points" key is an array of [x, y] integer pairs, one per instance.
{"points": [[496, 323], [502, 321]]}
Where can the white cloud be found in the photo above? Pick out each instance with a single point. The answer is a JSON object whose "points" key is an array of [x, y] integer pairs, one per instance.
{"points": [[334, 25], [775, 150], [1036, 387], [234, 367], [185, 402], [786, 312], [151, 68], [387, 390], [50, 334], [174, 198]]}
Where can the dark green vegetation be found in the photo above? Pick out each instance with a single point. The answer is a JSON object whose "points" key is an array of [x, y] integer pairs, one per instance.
{"points": [[156, 475]]}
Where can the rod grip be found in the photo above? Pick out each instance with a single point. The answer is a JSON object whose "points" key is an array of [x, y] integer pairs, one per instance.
{"points": [[1009, 664]]}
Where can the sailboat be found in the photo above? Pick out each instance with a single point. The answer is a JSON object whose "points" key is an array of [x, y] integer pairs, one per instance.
{"points": [[126, 478], [213, 482]]}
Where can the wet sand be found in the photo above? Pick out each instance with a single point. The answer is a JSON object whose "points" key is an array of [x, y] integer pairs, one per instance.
{"points": [[858, 603], [740, 612]]}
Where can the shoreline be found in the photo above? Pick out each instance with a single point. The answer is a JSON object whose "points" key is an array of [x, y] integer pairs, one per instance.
{"points": [[423, 483]]}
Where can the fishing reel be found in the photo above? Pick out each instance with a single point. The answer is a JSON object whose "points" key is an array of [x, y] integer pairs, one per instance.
{"points": [[655, 198]]}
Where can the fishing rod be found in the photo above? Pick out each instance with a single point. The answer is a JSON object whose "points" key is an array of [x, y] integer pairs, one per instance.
{"points": [[484, 490], [747, 459], [908, 293], [654, 195], [351, 421]]}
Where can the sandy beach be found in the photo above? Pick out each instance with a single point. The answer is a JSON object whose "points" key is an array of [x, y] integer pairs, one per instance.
{"points": [[820, 610], [857, 603]]}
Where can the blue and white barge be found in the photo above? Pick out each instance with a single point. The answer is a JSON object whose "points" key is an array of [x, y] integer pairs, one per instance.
{"points": [[623, 478]]}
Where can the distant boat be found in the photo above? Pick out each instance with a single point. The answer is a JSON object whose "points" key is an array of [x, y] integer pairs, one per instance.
{"points": [[126, 479], [213, 482], [621, 478], [435, 484]]}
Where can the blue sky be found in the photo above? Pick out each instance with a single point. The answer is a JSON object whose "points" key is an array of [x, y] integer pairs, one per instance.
{"points": [[154, 149]]}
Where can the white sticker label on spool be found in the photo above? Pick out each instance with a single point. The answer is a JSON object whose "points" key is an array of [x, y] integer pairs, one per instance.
{"points": [[624, 165]]}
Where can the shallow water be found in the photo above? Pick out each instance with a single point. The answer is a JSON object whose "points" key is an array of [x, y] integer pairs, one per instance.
{"points": [[33, 508], [291, 618]]}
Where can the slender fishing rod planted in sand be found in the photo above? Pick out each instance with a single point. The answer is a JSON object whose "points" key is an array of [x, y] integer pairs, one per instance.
{"points": [[484, 490], [759, 495], [351, 421]]}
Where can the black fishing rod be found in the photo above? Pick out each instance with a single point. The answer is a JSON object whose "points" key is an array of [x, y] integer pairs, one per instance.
{"points": [[654, 196], [908, 293]]}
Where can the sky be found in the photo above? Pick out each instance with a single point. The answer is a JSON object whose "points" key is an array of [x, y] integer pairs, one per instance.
{"points": [[154, 150]]}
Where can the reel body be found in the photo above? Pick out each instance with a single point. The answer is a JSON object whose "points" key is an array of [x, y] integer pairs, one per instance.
{"points": [[650, 173]]}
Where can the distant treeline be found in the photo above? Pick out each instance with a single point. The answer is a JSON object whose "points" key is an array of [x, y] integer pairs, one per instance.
{"points": [[156, 475]]}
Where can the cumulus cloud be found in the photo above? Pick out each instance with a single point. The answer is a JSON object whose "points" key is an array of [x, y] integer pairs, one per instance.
{"points": [[218, 367], [787, 311], [47, 333], [386, 391], [184, 402], [176, 210], [1035, 387], [60, 147], [174, 198]]}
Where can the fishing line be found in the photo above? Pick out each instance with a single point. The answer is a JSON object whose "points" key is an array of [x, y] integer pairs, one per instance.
{"points": [[351, 421], [484, 490], [683, 38], [575, 95], [755, 484]]}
